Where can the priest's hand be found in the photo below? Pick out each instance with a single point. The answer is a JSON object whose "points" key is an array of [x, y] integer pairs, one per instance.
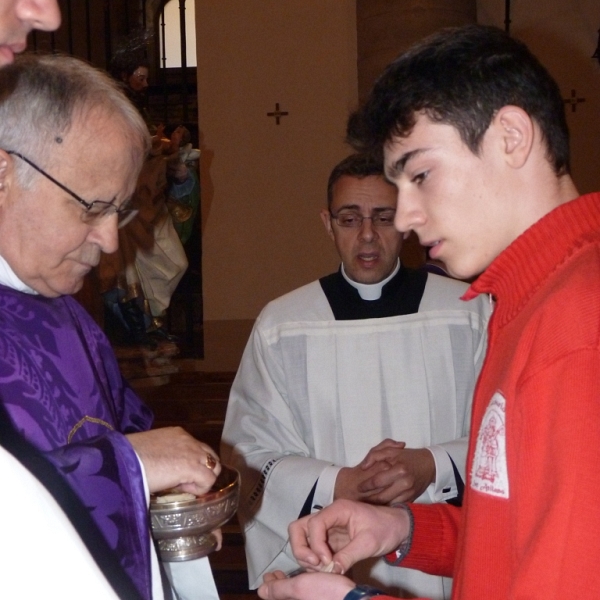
{"points": [[277, 586], [346, 532], [172, 458], [350, 479], [408, 473]]}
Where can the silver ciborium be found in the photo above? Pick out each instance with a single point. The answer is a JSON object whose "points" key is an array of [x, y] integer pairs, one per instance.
{"points": [[181, 523]]}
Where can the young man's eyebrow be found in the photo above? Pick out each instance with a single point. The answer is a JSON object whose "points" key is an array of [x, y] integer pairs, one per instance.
{"points": [[396, 168]]}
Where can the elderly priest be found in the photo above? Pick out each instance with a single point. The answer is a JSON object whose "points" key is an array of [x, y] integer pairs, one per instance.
{"points": [[71, 146]]}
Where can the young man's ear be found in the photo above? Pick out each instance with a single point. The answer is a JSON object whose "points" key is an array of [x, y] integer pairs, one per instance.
{"points": [[326, 218], [516, 133]]}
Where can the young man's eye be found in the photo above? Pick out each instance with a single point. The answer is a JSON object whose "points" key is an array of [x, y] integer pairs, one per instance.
{"points": [[420, 177]]}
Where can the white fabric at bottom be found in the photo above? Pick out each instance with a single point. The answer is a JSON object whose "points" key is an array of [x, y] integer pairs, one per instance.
{"points": [[41, 554], [192, 579]]}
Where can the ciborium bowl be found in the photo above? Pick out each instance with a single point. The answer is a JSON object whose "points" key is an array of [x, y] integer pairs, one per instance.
{"points": [[182, 523]]}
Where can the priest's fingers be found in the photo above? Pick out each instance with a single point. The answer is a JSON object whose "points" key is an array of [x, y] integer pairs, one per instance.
{"points": [[406, 479], [349, 479], [219, 537], [309, 586], [384, 451], [173, 458]]}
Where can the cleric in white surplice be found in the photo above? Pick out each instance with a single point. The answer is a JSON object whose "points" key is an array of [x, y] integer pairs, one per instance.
{"points": [[373, 351]]}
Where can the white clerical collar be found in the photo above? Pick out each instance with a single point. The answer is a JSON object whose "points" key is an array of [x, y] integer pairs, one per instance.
{"points": [[9, 279], [370, 291]]}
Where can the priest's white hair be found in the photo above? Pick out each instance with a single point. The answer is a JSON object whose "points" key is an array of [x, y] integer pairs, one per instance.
{"points": [[42, 96]]}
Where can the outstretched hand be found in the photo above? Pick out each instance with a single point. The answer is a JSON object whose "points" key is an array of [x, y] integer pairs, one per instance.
{"points": [[277, 586], [172, 458]]}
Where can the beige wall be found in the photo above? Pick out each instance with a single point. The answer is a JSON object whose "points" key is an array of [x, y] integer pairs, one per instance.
{"points": [[563, 34], [388, 27], [263, 184]]}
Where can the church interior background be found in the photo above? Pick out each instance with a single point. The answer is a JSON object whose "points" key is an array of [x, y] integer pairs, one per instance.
{"points": [[268, 102], [263, 178]]}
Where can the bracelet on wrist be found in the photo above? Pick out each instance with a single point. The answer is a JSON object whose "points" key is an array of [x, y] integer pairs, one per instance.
{"points": [[362, 592], [404, 547]]}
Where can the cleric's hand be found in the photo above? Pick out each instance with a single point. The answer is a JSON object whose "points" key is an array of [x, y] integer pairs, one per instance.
{"points": [[351, 481], [407, 473], [172, 458]]}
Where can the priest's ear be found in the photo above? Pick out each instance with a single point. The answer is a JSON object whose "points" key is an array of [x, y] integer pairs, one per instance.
{"points": [[326, 218]]}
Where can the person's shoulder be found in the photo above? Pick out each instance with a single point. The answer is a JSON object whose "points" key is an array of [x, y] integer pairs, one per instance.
{"points": [[306, 303], [445, 293], [574, 286], [76, 307], [88, 324]]}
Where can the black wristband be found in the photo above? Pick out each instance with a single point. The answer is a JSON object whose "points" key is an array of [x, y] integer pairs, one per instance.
{"points": [[361, 592]]}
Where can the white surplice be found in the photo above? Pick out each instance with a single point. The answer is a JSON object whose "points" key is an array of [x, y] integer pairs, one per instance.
{"points": [[313, 394]]}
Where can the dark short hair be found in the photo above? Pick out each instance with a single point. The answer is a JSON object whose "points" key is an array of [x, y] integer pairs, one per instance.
{"points": [[356, 165], [463, 76]]}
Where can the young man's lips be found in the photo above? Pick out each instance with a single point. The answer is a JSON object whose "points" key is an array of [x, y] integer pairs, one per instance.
{"points": [[434, 248]]}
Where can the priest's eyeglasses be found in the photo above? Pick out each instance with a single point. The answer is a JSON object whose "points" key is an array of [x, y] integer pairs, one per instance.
{"points": [[94, 211], [352, 219]]}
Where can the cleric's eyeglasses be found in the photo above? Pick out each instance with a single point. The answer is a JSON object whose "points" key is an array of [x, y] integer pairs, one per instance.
{"points": [[352, 219], [94, 211]]}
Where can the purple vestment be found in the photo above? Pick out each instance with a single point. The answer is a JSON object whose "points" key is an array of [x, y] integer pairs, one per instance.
{"points": [[61, 385]]}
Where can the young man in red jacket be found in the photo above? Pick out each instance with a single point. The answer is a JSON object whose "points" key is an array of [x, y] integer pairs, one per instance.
{"points": [[474, 136]]}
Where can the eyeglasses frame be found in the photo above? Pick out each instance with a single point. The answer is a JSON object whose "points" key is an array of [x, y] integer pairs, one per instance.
{"points": [[335, 216], [129, 212]]}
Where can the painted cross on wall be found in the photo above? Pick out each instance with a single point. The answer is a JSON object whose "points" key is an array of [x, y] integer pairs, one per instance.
{"points": [[573, 100], [277, 113]]}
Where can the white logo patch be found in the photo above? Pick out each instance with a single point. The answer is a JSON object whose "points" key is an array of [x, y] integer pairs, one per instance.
{"points": [[489, 474]]}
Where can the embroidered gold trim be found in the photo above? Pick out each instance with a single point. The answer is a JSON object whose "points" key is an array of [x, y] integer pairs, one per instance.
{"points": [[85, 420]]}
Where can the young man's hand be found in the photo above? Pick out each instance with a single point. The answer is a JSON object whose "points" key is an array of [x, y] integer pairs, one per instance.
{"points": [[345, 532]]}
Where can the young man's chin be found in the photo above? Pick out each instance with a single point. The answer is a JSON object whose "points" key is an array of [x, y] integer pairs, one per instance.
{"points": [[463, 272]]}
